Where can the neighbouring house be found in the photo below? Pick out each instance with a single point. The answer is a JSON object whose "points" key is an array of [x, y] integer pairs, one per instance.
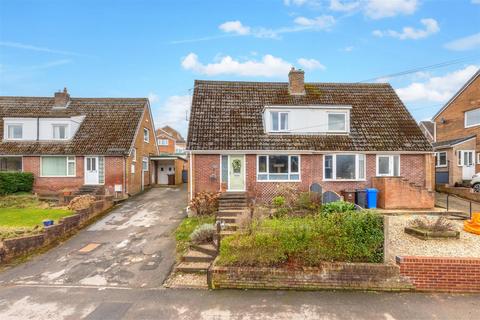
{"points": [[456, 126], [69, 143], [171, 161], [428, 129], [256, 136]]}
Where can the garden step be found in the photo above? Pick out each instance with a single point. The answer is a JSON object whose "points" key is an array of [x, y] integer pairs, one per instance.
{"points": [[232, 203], [239, 207], [227, 219], [208, 248], [193, 266], [226, 233], [230, 226], [197, 256], [233, 195], [230, 212]]}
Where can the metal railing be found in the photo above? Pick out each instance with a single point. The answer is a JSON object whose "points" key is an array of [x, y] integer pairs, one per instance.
{"points": [[455, 203]]}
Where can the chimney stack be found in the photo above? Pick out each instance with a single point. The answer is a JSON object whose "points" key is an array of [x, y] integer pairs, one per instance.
{"points": [[296, 81], [62, 98]]}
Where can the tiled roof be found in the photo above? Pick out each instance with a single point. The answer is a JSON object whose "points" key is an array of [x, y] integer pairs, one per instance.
{"points": [[228, 116], [174, 133], [109, 126], [450, 143]]}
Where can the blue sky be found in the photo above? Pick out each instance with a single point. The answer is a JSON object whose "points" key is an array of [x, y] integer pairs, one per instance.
{"points": [[119, 48]]}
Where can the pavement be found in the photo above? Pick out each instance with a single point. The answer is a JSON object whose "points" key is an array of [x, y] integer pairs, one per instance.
{"points": [[115, 268]]}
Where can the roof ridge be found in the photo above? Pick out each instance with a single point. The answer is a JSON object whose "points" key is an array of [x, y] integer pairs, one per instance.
{"points": [[379, 84]]}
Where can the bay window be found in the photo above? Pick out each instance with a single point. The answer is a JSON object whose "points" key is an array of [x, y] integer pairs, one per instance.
{"points": [[344, 167], [278, 168], [53, 166], [388, 165]]}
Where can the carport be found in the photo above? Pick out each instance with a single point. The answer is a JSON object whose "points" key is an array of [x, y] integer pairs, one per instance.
{"points": [[168, 169]]}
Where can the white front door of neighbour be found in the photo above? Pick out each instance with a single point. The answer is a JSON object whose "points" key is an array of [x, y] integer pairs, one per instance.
{"points": [[91, 170], [468, 164], [163, 172], [236, 168]]}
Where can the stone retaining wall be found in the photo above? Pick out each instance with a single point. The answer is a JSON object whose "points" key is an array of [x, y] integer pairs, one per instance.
{"points": [[66, 226], [442, 274], [362, 276]]}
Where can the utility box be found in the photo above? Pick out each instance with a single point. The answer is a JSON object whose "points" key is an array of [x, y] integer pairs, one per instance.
{"points": [[349, 195]]}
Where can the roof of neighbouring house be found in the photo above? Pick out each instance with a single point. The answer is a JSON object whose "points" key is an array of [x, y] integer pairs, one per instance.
{"points": [[451, 143], [228, 116], [428, 128], [109, 126], [174, 133]]}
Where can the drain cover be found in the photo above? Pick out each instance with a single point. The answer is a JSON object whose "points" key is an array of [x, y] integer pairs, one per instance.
{"points": [[89, 247]]}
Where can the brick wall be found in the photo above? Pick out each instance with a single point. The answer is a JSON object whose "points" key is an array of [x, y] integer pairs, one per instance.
{"points": [[363, 276], [114, 168], [397, 193], [442, 274], [207, 171]]}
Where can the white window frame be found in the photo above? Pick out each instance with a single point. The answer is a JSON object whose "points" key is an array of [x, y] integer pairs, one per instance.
{"points": [[57, 125], [14, 125], [132, 168], [5, 156], [289, 173], [279, 121], [145, 161], [357, 166], [70, 159], [163, 142], [345, 115], [478, 157], [465, 118], [134, 155], [437, 159], [391, 168], [146, 135]]}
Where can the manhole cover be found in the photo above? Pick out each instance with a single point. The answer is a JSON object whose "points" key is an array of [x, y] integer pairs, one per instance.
{"points": [[89, 247]]}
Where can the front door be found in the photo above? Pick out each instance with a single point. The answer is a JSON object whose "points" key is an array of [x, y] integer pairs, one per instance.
{"points": [[236, 167], [163, 171], [91, 170], [468, 164]]}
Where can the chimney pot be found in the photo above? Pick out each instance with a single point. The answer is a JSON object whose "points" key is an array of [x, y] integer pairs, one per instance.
{"points": [[62, 98], [296, 81]]}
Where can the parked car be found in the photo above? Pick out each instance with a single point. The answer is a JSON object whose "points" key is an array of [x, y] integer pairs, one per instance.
{"points": [[475, 183]]}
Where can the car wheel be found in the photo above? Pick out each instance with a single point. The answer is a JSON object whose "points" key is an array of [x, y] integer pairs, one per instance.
{"points": [[476, 187]]}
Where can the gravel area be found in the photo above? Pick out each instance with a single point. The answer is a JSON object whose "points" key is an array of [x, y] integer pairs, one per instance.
{"points": [[187, 280], [401, 244]]}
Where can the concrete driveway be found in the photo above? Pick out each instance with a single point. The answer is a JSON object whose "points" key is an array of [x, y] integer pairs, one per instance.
{"points": [[131, 247]]}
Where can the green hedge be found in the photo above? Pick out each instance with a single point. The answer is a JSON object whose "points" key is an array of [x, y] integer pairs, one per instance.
{"points": [[354, 236], [11, 182]]}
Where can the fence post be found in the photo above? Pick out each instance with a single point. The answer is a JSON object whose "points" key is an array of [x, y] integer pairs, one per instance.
{"points": [[470, 210], [447, 201], [218, 225]]}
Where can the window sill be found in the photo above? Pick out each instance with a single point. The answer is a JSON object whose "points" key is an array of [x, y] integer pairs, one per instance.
{"points": [[344, 180], [443, 166], [296, 181], [57, 176]]}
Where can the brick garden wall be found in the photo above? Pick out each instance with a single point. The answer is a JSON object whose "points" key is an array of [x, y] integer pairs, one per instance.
{"points": [[442, 274], [363, 276]]}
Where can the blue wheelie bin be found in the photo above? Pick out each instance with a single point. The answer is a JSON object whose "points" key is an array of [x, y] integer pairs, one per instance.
{"points": [[372, 198]]}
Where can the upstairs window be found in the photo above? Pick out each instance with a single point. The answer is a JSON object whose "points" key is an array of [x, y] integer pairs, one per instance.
{"points": [[145, 164], [134, 155], [163, 142], [472, 118], [337, 122], [60, 131], [279, 121], [15, 131], [146, 135]]}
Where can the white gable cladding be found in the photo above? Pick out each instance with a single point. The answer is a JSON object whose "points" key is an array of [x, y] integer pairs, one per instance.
{"points": [[306, 119]]}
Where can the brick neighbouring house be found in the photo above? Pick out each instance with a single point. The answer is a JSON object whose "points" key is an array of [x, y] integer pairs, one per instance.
{"points": [[70, 142], [456, 126], [255, 136], [172, 160]]}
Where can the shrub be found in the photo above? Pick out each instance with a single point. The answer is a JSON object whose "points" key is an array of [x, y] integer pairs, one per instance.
{"points": [[203, 234], [306, 201], [11, 182], [352, 236], [337, 207], [278, 201], [437, 225], [205, 203]]}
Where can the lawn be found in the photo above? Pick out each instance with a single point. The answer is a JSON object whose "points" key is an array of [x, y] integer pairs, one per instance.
{"points": [[29, 217], [183, 231]]}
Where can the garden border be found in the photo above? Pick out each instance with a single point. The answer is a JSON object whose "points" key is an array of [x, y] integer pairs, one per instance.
{"points": [[15, 247]]}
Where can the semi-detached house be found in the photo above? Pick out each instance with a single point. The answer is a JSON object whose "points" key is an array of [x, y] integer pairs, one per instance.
{"points": [[71, 142], [255, 136]]}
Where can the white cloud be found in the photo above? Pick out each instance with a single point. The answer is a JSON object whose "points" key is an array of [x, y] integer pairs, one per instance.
{"points": [[344, 6], [235, 27], [268, 66], [153, 98], [173, 112], [299, 2], [310, 64], [476, 1], [466, 43], [431, 27], [377, 9], [18, 45], [437, 89], [322, 22], [348, 49]]}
